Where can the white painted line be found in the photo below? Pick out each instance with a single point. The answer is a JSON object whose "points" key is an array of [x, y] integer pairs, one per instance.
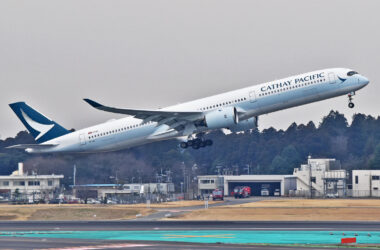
{"points": [[101, 247]]}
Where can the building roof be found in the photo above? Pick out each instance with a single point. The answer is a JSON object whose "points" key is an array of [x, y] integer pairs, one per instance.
{"points": [[97, 185], [30, 177]]}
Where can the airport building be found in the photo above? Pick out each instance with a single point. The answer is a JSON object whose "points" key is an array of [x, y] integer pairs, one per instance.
{"points": [[100, 191], [365, 183], [28, 188], [320, 178], [272, 184], [316, 178]]}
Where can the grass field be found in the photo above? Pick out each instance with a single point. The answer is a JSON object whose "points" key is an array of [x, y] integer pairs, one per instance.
{"points": [[174, 204], [279, 209], [85, 212], [302, 203], [70, 212], [292, 210]]}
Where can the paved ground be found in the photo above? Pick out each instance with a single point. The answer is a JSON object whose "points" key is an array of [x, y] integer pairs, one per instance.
{"points": [[173, 212], [45, 242], [32, 243], [184, 225], [153, 223]]}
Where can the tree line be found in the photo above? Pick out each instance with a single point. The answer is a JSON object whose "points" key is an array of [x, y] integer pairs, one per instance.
{"points": [[269, 151]]}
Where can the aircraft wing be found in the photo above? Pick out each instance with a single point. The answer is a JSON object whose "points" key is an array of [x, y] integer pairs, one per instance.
{"points": [[171, 118], [36, 146]]}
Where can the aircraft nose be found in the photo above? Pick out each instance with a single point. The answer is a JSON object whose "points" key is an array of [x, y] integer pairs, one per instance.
{"points": [[363, 80]]}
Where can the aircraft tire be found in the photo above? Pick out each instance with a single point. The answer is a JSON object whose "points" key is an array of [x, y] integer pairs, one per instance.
{"points": [[351, 105], [183, 144], [209, 142]]}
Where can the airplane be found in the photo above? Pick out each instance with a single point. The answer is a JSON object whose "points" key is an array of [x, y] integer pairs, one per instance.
{"points": [[189, 122]]}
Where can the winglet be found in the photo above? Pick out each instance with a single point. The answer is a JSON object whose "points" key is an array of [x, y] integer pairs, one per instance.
{"points": [[93, 103]]}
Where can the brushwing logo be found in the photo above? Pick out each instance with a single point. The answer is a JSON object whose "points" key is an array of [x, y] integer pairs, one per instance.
{"points": [[342, 79], [41, 128]]}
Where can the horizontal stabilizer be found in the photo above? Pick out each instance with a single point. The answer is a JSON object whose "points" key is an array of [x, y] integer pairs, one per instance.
{"points": [[36, 146]]}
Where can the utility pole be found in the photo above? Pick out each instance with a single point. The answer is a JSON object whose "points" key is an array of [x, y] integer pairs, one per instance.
{"points": [[74, 174], [183, 184], [248, 168], [310, 177]]}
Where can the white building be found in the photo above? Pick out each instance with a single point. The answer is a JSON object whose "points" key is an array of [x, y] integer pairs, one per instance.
{"points": [[320, 178], [207, 183], [29, 187], [273, 183], [365, 183], [100, 191]]}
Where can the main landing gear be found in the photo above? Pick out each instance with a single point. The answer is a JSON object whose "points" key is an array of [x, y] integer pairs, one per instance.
{"points": [[196, 143], [350, 103]]}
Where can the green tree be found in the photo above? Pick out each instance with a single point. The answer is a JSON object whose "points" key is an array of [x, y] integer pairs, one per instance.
{"points": [[375, 161]]}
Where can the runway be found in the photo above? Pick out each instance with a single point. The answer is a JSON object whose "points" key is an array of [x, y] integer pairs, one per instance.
{"points": [[185, 225], [52, 244], [181, 234]]}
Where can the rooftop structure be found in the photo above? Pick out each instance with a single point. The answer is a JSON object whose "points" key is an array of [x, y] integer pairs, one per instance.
{"points": [[20, 185]]}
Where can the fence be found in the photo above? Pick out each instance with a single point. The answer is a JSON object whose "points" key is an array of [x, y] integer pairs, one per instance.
{"points": [[348, 193]]}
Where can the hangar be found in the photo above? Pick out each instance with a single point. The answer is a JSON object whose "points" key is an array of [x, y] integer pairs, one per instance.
{"points": [[281, 183], [256, 182]]}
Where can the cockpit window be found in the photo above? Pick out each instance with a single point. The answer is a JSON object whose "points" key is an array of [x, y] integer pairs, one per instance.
{"points": [[351, 73]]}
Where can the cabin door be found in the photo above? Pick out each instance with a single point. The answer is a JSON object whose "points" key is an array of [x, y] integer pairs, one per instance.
{"points": [[82, 139], [332, 78], [252, 96]]}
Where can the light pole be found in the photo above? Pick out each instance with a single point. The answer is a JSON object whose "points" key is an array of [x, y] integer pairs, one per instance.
{"points": [[74, 174]]}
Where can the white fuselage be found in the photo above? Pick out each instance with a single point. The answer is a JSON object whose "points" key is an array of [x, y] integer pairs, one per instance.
{"points": [[251, 101]]}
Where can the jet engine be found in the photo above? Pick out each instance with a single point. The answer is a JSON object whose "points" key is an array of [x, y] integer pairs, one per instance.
{"points": [[222, 118], [245, 125]]}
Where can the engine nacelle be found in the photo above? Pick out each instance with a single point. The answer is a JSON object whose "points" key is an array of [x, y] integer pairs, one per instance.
{"points": [[245, 125], [222, 118]]}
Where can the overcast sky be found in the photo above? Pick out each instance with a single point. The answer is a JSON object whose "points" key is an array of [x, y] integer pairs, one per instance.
{"points": [[151, 54]]}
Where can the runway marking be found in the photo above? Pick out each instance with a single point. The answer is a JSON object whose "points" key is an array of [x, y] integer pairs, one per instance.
{"points": [[212, 236], [219, 236], [100, 247]]}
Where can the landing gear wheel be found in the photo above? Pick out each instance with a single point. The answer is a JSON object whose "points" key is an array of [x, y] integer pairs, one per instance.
{"points": [[202, 144], [183, 144], [195, 146], [208, 142], [350, 103]]}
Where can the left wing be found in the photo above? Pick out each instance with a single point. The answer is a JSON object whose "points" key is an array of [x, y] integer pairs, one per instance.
{"points": [[174, 119]]}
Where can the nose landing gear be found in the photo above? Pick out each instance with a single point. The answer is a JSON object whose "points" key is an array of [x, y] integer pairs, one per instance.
{"points": [[350, 103]]}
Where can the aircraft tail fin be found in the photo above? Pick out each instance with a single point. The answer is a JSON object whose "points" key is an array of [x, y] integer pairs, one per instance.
{"points": [[39, 126]]}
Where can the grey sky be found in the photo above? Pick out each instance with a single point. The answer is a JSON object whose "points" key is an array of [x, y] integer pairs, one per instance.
{"points": [[150, 54]]}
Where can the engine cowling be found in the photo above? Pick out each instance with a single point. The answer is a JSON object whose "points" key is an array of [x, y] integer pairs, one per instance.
{"points": [[245, 125], [222, 118]]}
